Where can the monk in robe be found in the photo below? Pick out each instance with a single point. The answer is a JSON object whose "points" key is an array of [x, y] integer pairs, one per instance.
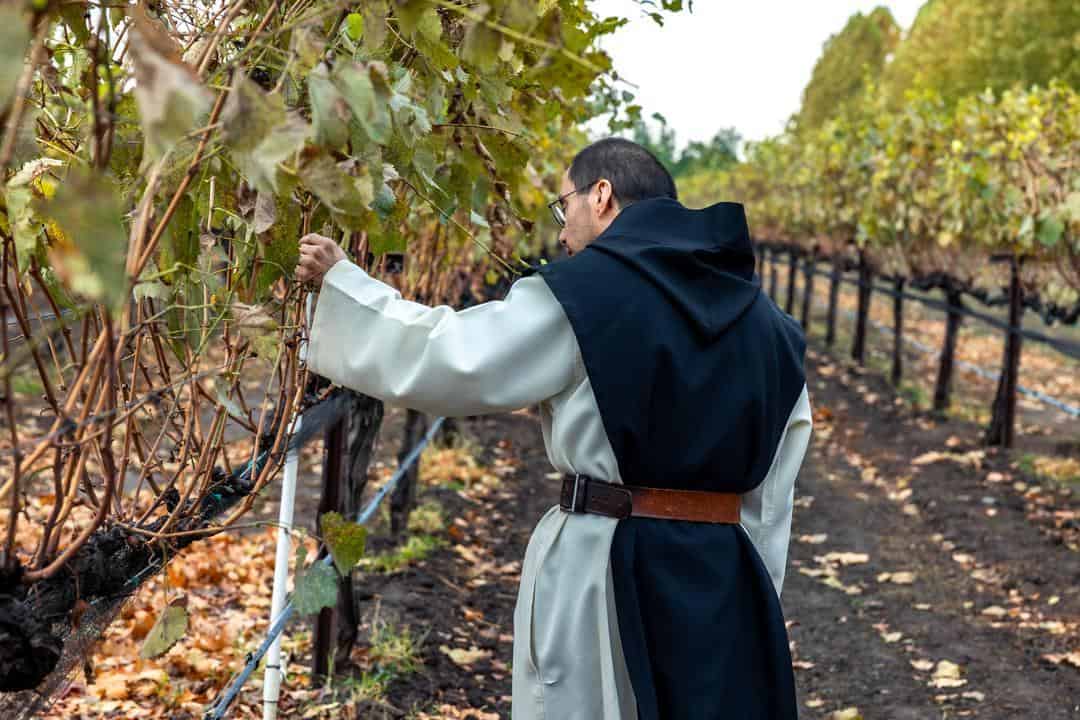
{"points": [[671, 395]]}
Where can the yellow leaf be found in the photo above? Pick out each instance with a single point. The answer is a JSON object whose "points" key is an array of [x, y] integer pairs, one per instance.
{"points": [[465, 658]]}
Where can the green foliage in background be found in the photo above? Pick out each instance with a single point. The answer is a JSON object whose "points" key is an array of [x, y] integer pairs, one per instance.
{"points": [[850, 58], [963, 47]]}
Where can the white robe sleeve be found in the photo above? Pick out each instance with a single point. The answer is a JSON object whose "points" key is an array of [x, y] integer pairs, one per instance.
{"points": [[496, 356], [767, 509]]}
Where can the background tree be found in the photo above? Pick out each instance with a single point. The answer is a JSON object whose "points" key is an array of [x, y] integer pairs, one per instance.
{"points": [[961, 47], [850, 58]]}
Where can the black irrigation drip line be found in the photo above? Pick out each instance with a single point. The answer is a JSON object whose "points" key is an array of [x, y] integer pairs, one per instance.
{"points": [[1067, 348], [217, 710]]}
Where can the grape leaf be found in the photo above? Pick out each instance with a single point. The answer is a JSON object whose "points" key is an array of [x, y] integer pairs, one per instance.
{"points": [[345, 540], [376, 30], [366, 92], [346, 196], [171, 100], [254, 323], [316, 586], [260, 134], [481, 46], [85, 220], [1051, 229], [14, 40], [170, 627], [329, 111], [354, 26]]}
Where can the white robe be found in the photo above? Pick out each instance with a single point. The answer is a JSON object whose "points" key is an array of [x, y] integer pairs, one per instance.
{"points": [[504, 355]]}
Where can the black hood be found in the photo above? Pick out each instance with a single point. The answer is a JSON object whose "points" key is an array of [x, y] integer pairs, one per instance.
{"points": [[702, 260], [694, 369]]}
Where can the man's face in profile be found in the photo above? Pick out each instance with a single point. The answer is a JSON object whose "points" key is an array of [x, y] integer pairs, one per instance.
{"points": [[580, 227]]}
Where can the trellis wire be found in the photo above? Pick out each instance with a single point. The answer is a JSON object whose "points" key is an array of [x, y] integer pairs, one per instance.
{"points": [[1065, 347], [218, 709], [980, 371]]}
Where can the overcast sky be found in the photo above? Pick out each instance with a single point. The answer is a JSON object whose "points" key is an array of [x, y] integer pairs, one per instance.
{"points": [[741, 63]]}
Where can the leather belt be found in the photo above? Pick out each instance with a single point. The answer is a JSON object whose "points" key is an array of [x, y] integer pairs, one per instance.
{"points": [[582, 494]]}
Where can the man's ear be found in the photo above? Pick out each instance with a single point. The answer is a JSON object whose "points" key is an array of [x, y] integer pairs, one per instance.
{"points": [[606, 197]]}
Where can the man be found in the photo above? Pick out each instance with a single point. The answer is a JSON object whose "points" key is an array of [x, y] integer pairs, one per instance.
{"points": [[658, 365]]}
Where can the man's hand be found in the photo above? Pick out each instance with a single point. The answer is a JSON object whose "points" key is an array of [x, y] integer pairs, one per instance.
{"points": [[317, 255]]}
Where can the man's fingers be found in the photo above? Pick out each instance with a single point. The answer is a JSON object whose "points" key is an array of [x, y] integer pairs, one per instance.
{"points": [[315, 240]]}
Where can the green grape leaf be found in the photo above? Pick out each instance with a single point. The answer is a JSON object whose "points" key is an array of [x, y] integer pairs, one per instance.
{"points": [[1051, 229], [376, 31], [344, 539], [329, 111], [280, 249], [171, 100], [388, 239], [171, 626], [409, 14], [477, 219], [74, 16], [316, 586], [428, 39], [261, 166], [366, 92], [309, 46], [14, 41], [20, 219], [89, 240], [481, 46], [354, 26], [346, 196], [249, 114], [260, 134]]}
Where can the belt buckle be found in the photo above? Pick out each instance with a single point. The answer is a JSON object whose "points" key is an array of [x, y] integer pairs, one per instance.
{"points": [[578, 486]]}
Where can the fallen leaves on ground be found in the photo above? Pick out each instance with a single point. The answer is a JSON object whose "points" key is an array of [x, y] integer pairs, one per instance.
{"points": [[465, 658], [947, 675]]}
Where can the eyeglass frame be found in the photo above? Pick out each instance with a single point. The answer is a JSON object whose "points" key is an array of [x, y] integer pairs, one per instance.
{"points": [[558, 211]]}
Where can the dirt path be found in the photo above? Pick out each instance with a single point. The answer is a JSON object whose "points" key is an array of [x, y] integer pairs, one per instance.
{"points": [[944, 587], [980, 576]]}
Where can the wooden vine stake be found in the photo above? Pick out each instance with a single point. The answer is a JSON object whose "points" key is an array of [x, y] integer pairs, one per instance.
{"points": [[809, 270], [793, 272], [1003, 421], [898, 331], [772, 273], [403, 499], [866, 278], [349, 448], [834, 293], [946, 362]]}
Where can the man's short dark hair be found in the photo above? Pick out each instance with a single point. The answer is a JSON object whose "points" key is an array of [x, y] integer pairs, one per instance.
{"points": [[634, 172]]}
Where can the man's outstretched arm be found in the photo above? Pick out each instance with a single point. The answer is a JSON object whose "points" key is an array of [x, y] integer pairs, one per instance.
{"points": [[497, 356]]}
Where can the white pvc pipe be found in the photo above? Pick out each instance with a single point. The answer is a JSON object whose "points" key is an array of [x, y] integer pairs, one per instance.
{"points": [[274, 672]]}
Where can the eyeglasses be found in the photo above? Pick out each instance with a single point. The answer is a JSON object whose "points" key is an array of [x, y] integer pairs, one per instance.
{"points": [[556, 205]]}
